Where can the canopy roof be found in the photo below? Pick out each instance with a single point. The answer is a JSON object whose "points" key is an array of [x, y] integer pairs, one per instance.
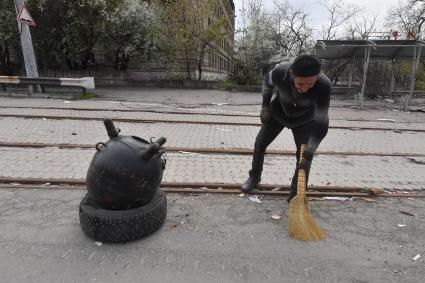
{"points": [[381, 49]]}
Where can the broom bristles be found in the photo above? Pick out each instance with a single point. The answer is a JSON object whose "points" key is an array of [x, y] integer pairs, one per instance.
{"points": [[301, 223]]}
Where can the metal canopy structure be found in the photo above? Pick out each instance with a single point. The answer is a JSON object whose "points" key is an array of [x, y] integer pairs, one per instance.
{"points": [[391, 50]]}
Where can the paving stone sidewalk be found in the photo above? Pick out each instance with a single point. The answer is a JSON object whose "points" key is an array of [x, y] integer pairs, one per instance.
{"points": [[416, 123], [384, 172], [18, 130], [336, 113]]}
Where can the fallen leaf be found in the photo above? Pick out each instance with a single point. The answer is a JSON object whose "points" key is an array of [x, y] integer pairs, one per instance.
{"points": [[373, 191]]}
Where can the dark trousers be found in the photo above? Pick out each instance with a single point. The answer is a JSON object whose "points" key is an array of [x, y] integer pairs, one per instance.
{"points": [[268, 132]]}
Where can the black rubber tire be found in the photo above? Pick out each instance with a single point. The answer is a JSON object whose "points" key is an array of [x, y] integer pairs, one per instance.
{"points": [[119, 226]]}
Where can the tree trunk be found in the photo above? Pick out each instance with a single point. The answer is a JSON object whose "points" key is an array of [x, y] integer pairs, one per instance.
{"points": [[3, 60], [187, 59], [201, 60], [125, 59], [116, 60]]}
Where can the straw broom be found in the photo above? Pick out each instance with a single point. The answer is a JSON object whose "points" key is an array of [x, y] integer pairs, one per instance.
{"points": [[301, 224]]}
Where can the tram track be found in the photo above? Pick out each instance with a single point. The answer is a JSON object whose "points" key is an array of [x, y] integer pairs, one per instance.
{"points": [[215, 188], [211, 150], [175, 121]]}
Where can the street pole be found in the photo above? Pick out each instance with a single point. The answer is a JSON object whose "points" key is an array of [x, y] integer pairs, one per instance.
{"points": [[27, 48]]}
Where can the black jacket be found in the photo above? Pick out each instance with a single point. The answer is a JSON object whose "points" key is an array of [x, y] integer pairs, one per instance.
{"points": [[293, 109]]}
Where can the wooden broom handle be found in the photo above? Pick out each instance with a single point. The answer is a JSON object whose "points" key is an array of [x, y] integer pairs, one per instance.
{"points": [[301, 185]]}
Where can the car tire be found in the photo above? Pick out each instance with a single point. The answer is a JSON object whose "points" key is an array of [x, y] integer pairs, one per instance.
{"points": [[119, 226]]}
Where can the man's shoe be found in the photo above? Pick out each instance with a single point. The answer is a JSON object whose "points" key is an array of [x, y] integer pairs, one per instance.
{"points": [[250, 184]]}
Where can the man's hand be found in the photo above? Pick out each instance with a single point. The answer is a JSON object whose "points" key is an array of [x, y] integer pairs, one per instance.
{"points": [[265, 115], [305, 165], [306, 162]]}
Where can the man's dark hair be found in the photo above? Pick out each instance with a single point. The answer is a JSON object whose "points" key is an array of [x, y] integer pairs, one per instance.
{"points": [[306, 66]]}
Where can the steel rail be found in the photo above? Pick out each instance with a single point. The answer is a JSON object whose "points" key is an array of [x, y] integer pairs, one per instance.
{"points": [[213, 188], [133, 120], [213, 150]]}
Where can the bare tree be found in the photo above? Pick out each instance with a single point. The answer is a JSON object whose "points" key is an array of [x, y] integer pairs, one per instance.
{"points": [[408, 17], [271, 37], [339, 14], [361, 28], [253, 46], [290, 30]]}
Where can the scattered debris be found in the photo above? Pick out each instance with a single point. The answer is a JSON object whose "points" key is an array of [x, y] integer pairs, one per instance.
{"points": [[389, 100], [225, 130], [44, 119], [74, 134], [418, 256], [366, 199], [46, 184], [188, 152], [338, 198], [99, 244], [386, 120], [219, 104], [242, 195], [401, 225], [206, 189], [373, 191], [410, 198], [276, 217], [255, 199], [407, 213], [416, 160], [277, 189], [67, 102], [418, 109], [398, 131], [172, 225], [411, 132]]}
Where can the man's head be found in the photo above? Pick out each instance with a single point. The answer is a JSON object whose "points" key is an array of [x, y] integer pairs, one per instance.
{"points": [[305, 70]]}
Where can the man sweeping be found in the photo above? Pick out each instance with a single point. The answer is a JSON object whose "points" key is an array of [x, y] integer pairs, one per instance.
{"points": [[301, 104]]}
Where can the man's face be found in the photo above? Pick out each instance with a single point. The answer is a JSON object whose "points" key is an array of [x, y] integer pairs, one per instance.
{"points": [[303, 84]]}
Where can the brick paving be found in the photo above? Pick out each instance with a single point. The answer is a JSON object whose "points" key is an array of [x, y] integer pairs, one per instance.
{"points": [[18, 130], [383, 172], [387, 172]]}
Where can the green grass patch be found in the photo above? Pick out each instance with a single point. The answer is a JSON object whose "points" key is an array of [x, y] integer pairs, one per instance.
{"points": [[83, 96], [223, 84]]}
